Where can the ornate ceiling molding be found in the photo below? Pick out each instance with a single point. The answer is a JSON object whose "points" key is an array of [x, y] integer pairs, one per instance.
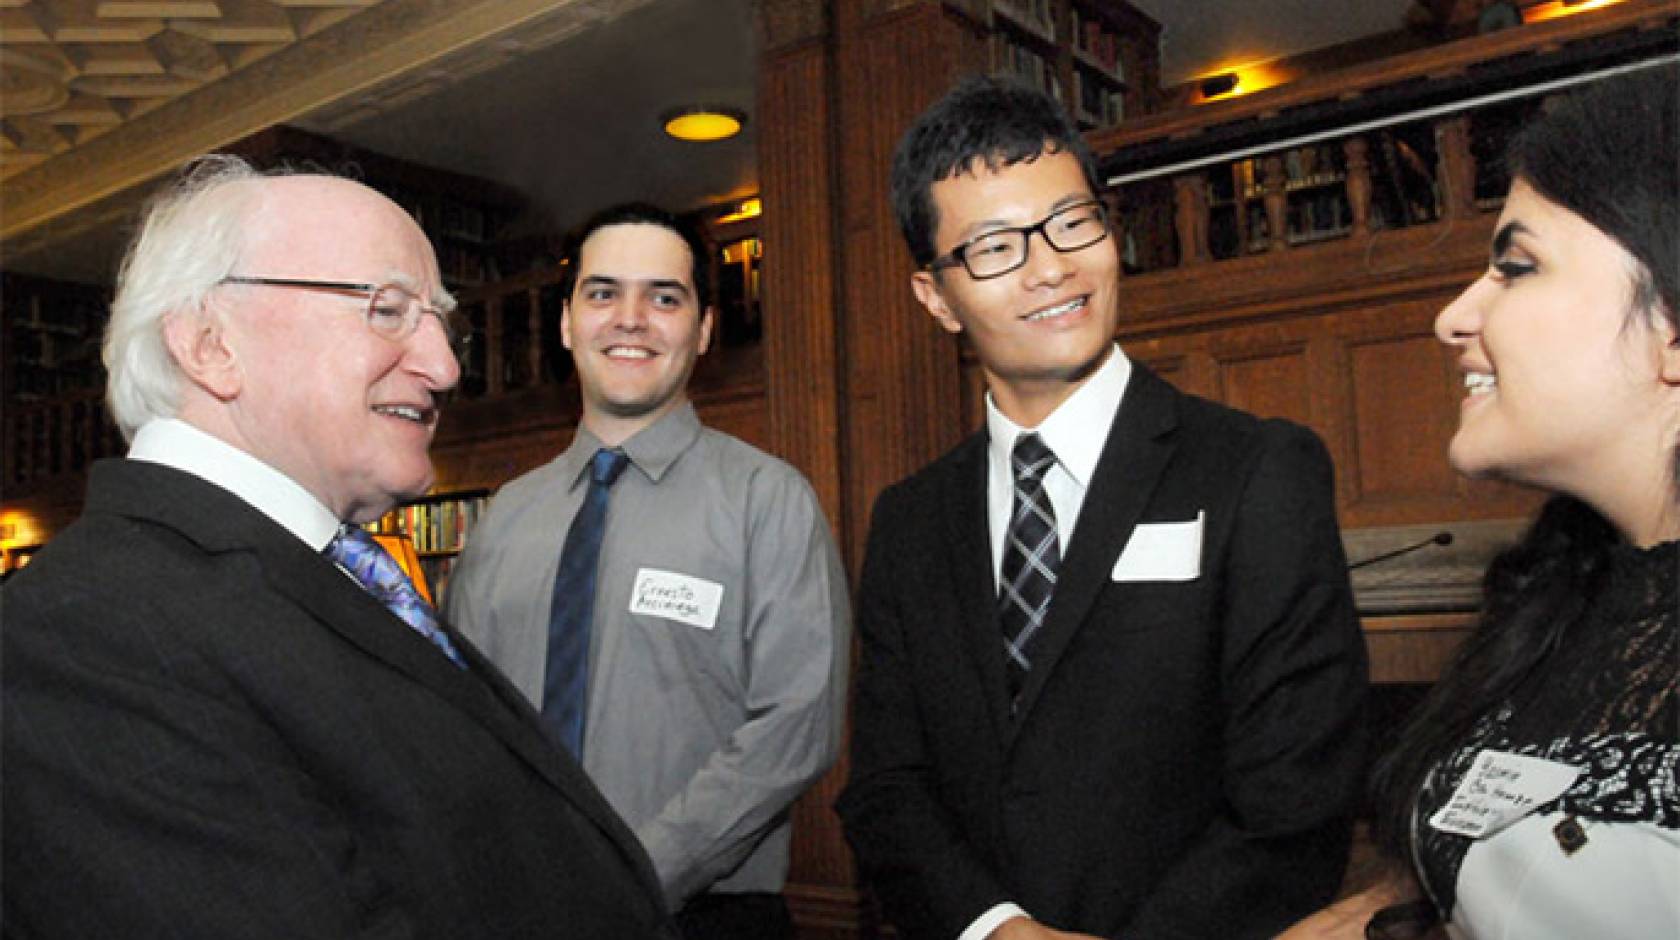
{"points": [[127, 90]]}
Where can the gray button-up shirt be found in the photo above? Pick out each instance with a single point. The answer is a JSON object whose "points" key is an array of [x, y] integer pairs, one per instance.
{"points": [[706, 717]]}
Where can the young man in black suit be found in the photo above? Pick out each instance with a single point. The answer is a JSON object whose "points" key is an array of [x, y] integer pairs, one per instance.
{"points": [[211, 728], [1111, 678]]}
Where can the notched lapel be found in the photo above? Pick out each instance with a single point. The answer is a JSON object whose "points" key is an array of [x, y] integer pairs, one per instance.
{"points": [[493, 702], [970, 563], [1140, 443], [216, 521]]}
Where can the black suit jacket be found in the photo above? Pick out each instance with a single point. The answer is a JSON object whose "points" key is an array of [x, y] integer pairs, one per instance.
{"points": [[1186, 755], [210, 731]]}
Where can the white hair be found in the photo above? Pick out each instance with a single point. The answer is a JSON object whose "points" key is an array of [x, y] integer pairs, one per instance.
{"points": [[190, 237]]}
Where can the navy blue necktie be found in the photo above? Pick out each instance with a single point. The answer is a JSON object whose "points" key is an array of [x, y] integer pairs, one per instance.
{"points": [[566, 680]]}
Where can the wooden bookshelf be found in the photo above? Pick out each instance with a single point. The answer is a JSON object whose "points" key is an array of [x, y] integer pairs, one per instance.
{"points": [[437, 526], [1100, 58]]}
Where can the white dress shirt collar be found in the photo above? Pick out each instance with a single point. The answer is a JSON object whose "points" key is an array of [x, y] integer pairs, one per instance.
{"points": [[175, 443], [1077, 430]]}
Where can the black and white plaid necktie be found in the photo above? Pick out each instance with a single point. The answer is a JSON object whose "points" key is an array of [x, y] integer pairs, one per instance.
{"points": [[1031, 555]]}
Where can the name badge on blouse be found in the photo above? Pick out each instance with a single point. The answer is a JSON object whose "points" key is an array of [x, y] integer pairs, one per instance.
{"points": [[678, 597], [1500, 789]]}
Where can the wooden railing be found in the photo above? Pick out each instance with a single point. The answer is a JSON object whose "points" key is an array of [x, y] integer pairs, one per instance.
{"points": [[1174, 218], [515, 336]]}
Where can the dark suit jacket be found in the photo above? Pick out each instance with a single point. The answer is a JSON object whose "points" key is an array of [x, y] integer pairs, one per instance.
{"points": [[211, 732], [1185, 756]]}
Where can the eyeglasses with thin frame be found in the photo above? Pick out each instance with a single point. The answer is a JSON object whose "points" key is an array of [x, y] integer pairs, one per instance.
{"points": [[1001, 251], [393, 311]]}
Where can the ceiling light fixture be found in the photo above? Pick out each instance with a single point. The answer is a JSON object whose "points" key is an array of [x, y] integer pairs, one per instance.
{"points": [[703, 122]]}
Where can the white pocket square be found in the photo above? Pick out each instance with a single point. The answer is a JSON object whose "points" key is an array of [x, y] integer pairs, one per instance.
{"points": [[1162, 551]]}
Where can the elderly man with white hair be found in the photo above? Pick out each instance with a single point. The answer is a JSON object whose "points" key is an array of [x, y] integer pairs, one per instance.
{"points": [[227, 713]]}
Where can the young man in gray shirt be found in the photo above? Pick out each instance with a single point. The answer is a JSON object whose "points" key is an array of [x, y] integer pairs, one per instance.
{"points": [[669, 596]]}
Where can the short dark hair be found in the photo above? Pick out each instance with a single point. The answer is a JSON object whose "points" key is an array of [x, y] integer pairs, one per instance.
{"points": [[1606, 153], [644, 213], [999, 122]]}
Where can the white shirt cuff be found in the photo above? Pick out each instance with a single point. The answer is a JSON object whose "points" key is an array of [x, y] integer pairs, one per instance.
{"points": [[991, 920]]}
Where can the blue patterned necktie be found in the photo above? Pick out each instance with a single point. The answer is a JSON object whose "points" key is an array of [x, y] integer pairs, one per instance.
{"points": [[379, 573], [566, 679], [1031, 556]]}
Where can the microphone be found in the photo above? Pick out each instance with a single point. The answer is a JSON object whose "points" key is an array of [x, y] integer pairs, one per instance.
{"points": [[1439, 538]]}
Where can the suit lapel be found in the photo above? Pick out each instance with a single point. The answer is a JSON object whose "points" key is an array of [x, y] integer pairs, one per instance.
{"points": [[1140, 443], [480, 691], [970, 563], [221, 522]]}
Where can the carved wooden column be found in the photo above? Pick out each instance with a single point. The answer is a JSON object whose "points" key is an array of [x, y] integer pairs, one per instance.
{"points": [[862, 387], [1457, 167], [1358, 184], [803, 369], [1191, 218], [1277, 202]]}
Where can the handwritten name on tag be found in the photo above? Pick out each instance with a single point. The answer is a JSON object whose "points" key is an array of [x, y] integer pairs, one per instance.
{"points": [[1500, 789], [1162, 551], [678, 597]]}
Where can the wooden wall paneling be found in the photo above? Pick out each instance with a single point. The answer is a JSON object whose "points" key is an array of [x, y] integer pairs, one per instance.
{"points": [[1271, 382], [1413, 648], [862, 388], [1401, 427], [1328, 276], [803, 376], [1400, 391], [903, 387], [802, 347]]}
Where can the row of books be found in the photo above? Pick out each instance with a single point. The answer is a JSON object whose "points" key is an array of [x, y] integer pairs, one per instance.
{"points": [[1036, 16], [1013, 59], [440, 526], [1093, 39], [1096, 102]]}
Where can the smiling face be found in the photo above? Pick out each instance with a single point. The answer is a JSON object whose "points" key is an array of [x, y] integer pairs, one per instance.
{"points": [[1040, 329], [346, 413], [1566, 379], [635, 327]]}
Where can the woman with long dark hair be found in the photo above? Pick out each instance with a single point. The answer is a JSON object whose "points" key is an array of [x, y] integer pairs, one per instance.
{"points": [[1534, 793]]}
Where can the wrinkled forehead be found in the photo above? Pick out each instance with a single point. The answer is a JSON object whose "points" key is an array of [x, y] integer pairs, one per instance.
{"points": [[327, 227]]}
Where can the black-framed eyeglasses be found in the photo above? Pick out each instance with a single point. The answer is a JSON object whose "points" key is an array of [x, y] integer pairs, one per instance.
{"points": [[999, 252], [393, 311]]}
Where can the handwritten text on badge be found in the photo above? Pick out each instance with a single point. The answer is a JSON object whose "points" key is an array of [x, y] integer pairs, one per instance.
{"points": [[1500, 789], [676, 597]]}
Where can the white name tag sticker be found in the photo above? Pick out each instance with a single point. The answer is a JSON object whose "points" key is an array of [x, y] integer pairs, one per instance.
{"points": [[1500, 789], [678, 597], [1162, 551]]}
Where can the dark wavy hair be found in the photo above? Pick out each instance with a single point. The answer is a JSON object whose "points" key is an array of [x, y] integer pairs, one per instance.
{"points": [[999, 122], [1605, 153]]}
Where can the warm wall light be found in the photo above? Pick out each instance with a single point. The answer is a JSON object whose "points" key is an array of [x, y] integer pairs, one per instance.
{"points": [[1215, 85], [749, 209], [703, 122], [1234, 79], [1541, 12], [18, 528]]}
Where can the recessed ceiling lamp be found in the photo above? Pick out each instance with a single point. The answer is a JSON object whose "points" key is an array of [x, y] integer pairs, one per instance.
{"points": [[703, 122]]}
